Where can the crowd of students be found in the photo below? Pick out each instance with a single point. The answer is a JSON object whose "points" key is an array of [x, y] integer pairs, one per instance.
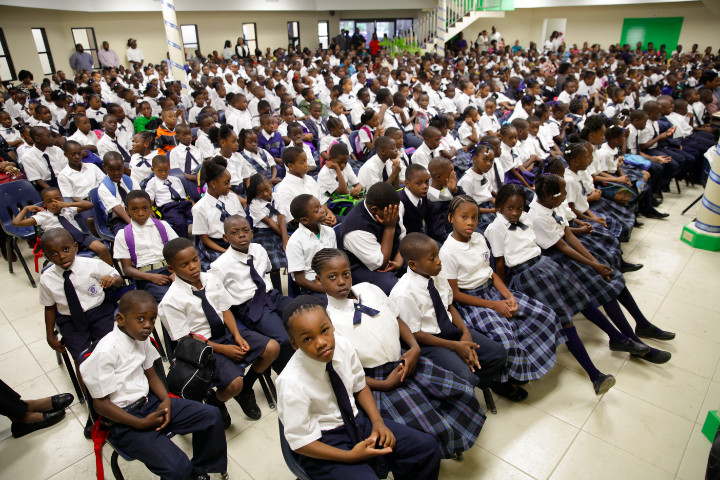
{"points": [[441, 220]]}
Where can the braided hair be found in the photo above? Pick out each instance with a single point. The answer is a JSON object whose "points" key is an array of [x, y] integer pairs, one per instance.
{"points": [[459, 200], [508, 191], [547, 186], [323, 256]]}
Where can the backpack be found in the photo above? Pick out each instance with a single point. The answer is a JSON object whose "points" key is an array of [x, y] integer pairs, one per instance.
{"points": [[359, 147], [130, 237], [192, 369], [110, 185]]}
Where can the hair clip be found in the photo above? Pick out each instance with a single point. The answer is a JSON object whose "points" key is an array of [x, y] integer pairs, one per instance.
{"points": [[557, 194]]}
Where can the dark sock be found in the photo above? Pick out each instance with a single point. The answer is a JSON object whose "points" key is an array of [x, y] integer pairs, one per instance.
{"points": [[626, 300], [576, 347], [249, 380], [615, 313], [275, 280], [592, 313]]}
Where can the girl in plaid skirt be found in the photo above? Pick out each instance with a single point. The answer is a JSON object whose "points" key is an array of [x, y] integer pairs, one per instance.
{"points": [[528, 330], [604, 285], [269, 227], [408, 389]]}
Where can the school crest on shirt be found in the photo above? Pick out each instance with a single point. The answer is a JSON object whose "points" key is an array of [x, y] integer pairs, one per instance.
{"points": [[94, 290]]}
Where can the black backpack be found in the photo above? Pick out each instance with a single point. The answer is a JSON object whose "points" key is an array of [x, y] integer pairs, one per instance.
{"points": [[192, 369]]}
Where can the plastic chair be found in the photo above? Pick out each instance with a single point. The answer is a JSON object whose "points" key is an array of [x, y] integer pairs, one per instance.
{"points": [[353, 139], [221, 116], [101, 218], [190, 187], [64, 358], [14, 196], [291, 457]]}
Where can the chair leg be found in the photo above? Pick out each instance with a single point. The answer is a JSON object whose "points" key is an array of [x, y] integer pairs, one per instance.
{"points": [[489, 400], [677, 184], [115, 466], [9, 251], [22, 261], [161, 349], [71, 371], [692, 205], [59, 358], [268, 388]]}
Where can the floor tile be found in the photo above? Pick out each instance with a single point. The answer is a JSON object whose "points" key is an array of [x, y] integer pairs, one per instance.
{"points": [[590, 458], [480, 464], [19, 366], [641, 429], [9, 339], [605, 360], [689, 352], [684, 316], [30, 327], [694, 462], [696, 293], [257, 450], [710, 402], [660, 269]]}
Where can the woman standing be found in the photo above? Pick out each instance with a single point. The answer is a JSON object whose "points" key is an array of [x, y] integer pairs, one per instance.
{"points": [[242, 50], [228, 51]]}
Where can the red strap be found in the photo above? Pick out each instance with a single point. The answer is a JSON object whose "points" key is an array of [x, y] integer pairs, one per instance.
{"points": [[99, 435], [37, 253]]}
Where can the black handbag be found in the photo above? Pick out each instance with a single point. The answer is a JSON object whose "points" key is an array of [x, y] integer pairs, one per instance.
{"points": [[190, 375]]}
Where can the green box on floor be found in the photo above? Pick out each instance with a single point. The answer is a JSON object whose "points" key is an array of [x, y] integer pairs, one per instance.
{"points": [[712, 423]]}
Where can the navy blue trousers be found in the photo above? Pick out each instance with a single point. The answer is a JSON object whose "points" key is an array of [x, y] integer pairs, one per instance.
{"points": [[157, 291], [161, 456], [411, 140], [177, 214], [270, 325], [416, 455], [491, 355], [116, 224], [76, 338]]}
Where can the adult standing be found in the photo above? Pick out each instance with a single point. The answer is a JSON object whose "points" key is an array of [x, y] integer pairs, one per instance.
{"points": [[482, 42], [495, 35], [228, 51], [108, 57], [80, 60], [558, 41], [242, 50], [549, 45], [374, 45], [134, 54], [460, 44], [357, 39], [341, 40]]}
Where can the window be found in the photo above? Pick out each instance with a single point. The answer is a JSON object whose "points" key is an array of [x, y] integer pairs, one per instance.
{"points": [[293, 33], [348, 25], [190, 39], [7, 70], [43, 49], [86, 38], [250, 34], [324, 33], [404, 25]]}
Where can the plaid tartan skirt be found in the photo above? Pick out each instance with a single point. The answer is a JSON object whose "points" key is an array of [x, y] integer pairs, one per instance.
{"points": [[619, 218], [603, 245], [485, 219], [435, 401], [635, 175], [272, 243], [530, 337], [542, 279], [596, 287], [355, 165], [463, 161], [208, 256]]}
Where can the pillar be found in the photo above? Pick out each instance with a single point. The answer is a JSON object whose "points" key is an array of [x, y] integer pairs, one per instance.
{"points": [[175, 44], [441, 27], [704, 232]]}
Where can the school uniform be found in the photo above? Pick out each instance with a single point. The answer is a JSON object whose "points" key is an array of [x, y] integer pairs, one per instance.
{"points": [[536, 275], [85, 139], [530, 336], [328, 183], [86, 315], [271, 142], [318, 128], [254, 302], [292, 186], [46, 220], [360, 235], [186, 158], [412, 213], [121, 144], [418, 310], [205, 145], [44, 164], [209, 215], [74, 183], [374, 170], [264, 235], [314, 398], [10, 134], [488, 123], [146, 253], [239, 119], [260, 161], [183, 310], [423, 155], [479, 187], [451, 414], [171, 201], [342, 118], [112, 195], [141, 167], [302, 247]]}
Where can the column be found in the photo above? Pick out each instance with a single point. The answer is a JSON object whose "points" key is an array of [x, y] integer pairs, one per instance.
{"points": [[175, 45], [441, 27], [704, 232]]}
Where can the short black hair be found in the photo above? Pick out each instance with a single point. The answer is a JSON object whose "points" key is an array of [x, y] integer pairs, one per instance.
{"points": [[234, 218], [384, 142], [414, 169], [134, 298], [339, 150], [382, 195], [291, 154], [299, 205], [54, 235], [413, 245], [160, 160], [136, 194], [175, 246]]}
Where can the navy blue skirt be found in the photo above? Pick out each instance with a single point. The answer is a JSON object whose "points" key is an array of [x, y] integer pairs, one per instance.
{"points": [[272, 243]]}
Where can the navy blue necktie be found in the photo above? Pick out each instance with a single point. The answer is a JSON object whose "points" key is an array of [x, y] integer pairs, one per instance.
{"points": [[143, 162], [224, 215], [272, 210], [189, 161], [123, 152], [483, 181], [360, 309], [343, 400], [74, 231], [582, 186], [217, 327], [258, 301], [447, 329], [557, 218], [497, 176], [514, 226], [77, 313], [176, 197], [53, 178], [122, 192]]}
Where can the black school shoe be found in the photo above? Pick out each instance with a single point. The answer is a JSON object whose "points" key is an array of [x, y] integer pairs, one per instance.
{"points": [[249, 405], [603, 383], [652, 213], [629, 267], [224, 414], [654, 332], [512, 392], [658, 358], [19, 429], [87, 431], [630, 346], [61, 401]]}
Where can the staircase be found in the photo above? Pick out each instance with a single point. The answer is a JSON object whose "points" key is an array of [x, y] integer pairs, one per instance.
{"points": [[436, 26]]}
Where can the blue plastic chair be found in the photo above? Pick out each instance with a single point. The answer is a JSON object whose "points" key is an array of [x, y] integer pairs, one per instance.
{"points": [[101, 218], [190, 187], [291, 457], [221, 116], [353, 139], [14, 196]]}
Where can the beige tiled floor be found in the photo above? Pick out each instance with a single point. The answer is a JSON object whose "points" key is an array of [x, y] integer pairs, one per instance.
{"points": [[647, 427]]}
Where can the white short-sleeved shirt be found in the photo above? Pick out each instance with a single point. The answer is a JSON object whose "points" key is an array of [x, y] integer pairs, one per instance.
{"points": [[259, 209], [111, 201], [507, 158], [364, 246], [423, 155], [574, 185], [48, 220], [85, 277], [488, 123], [681, 123], [303, 245], [181, 311], [233, 271], [160, 193], [292, 186], [651, 130], [107, 144], [477, 185], [239, 119], [36, 167], [328, 181], [416, 308], [371, 171], [178, 155], [239, 168], [140, 167], [547, 229], [343, 119], [116, 368], [261, 157], [73, 183], [466, 262], [328, 141], [203, 142], [148, 243], [607, 158], [84, 139], [517, 246], [10, 134], [464, 132], [376, 339], [206, 214], [307, 405]]}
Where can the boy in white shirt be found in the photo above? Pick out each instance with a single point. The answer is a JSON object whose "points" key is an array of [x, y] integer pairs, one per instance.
{"points": [[168, 194]]}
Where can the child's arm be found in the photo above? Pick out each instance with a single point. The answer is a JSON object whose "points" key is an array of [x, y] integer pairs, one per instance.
{"points": [[283, 229], [50, 316], [130, 270], [661, 136], [210, 244], [380, 432], [389, 222], [330, 218], [302, 281], [120, 212], [274, 180], [500, 306], [519, 176], [272, 224], [21, 221], [575, 250], [154, 421], [394, 177], [499, 270], [80, 204], [342, 185], [361, 452]]}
